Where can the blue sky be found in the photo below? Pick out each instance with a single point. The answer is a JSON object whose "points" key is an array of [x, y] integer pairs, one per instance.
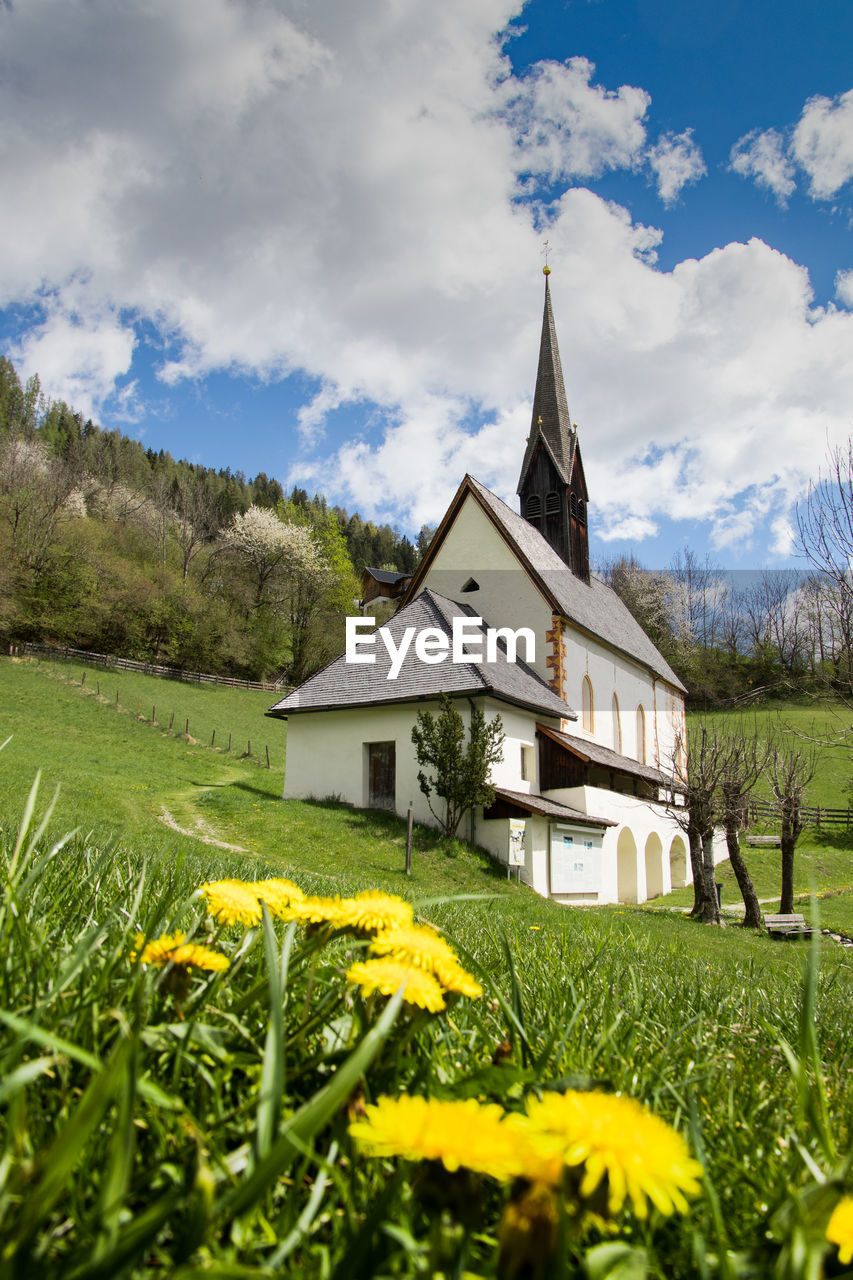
{"points": [[307, 240]]}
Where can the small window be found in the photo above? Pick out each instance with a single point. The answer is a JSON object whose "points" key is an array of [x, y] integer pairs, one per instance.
{"points": [[552, 504], [471, 585], [581, 511], [534, 507], [587, 705], [641, 734], [526, 763]]}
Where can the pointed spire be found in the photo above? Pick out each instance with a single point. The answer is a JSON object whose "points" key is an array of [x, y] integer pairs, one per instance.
{"points": [[550, 421]]}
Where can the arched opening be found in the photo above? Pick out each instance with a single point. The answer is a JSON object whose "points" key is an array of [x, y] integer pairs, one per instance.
{"points": [[678, 863], [533, 510], [641, 734], [587, 705], [581, 511], [552, 503], [617, 726], [626, 866], [654, 866]]}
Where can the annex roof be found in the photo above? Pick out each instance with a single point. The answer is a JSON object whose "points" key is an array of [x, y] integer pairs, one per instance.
{"points": [[342, 684], [594, 753], [550, 808], [592, 606], [388, 576]]}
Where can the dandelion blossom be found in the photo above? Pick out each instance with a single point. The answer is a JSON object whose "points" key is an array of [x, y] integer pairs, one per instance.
{"points": [[423, 947], [371, 911], [617, 1139], [461, 1133], [387, 976], [174, 949], [840, 1230], [315, 911], [278, 896], [232, 902]]}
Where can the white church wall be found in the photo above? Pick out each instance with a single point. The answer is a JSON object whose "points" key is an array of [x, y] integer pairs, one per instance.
{"points": [[634, 686], [326, 752], [492, 834]]}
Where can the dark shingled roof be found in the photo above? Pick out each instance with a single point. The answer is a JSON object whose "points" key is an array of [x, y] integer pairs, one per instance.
{"points": [[593, 605], [551, 421], [387, 575], [608, 759], [342, 684], [551, 808]]}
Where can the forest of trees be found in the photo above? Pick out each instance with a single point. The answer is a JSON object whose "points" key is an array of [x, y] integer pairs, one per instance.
{"points": [[108, 546], [112, 547]]}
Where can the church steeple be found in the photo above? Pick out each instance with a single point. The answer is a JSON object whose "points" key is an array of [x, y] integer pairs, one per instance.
{"points": [[551, 486]]}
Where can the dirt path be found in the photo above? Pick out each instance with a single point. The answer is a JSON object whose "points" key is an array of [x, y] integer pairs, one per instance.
{"points": [[202, 831]]}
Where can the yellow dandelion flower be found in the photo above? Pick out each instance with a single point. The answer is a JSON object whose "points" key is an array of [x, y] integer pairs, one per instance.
{"points": [[309, 910], [174, 949], [232, 902], [422, 946], [461, 1133], [387, 976], [840, 1230], [371, 911], [278, 895], [617, 1139]]}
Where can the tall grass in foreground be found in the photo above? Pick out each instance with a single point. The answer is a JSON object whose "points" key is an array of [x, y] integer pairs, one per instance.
{"points": [[164, 1120]]}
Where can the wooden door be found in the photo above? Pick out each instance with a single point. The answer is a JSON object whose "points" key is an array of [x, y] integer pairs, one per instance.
{"points": [[381, 775]]}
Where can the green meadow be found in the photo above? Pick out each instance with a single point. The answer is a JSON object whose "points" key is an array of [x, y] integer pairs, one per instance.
{"points": [[158, 1120]]}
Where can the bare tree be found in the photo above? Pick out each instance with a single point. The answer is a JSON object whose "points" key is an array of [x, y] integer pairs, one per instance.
{"points": [[825, 529], [790, 768], [743, 763], [696, 774]]}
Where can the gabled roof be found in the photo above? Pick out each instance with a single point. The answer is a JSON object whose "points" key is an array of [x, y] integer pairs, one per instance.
{"points": [[342, 684], [592, 606], [551, 421], [594, 753], [387, 576]]}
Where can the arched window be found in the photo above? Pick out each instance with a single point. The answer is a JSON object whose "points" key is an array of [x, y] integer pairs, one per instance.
{"points": [[573, 504], [534, 507], [641, 734], [552, 504], [581, 511], [617, 726], [588, 705]]}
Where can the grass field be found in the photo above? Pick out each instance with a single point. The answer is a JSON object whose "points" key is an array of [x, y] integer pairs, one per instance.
{"points": [[150, 1129]]}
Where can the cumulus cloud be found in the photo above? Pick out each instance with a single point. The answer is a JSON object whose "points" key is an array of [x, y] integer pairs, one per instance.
{"points": [[844, 288], [334, 190], [567, 127], [763, 156], [823, 143], [820, 144], [676, 160]]}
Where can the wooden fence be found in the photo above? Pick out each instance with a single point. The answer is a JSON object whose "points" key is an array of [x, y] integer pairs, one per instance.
{"points": [[813, 815], [147, 668]]}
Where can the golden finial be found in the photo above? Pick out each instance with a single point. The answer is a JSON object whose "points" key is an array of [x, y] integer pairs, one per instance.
{"points": [[546, 249]]}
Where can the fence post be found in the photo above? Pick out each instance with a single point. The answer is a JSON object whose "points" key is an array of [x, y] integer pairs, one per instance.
{"points": [[229, 742], [154, 714], [213, 738], [268, 757], [171, 719], [187, 730], [409, 842], [83, 681]]}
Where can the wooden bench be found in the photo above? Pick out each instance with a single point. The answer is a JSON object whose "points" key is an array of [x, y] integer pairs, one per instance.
{"points": [[762, 842], [792, 926]]}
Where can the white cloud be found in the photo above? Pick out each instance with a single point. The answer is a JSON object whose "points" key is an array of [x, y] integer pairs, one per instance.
{"points": [[823, 143], [844, 288], [334, 189], [763, 156], [676, 160], [567, 127]]}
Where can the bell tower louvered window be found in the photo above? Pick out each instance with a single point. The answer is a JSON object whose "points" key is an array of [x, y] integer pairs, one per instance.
{"points": [[552, 504], [534, 508]]}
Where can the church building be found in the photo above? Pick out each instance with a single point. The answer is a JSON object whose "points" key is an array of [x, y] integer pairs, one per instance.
{"points": [[592, 713]]}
